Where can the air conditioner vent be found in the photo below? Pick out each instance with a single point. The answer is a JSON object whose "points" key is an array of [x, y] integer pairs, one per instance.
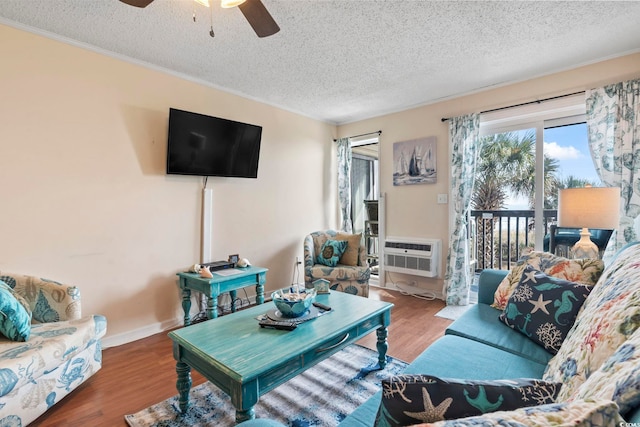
{"points": [[415, 256], [412, 246]]}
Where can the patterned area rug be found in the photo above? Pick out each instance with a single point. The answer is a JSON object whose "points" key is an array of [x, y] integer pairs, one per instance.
{"points": [[321, 396]]}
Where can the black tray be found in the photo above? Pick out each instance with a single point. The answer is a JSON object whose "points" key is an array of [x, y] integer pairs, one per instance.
{"points": [[312, 313]]}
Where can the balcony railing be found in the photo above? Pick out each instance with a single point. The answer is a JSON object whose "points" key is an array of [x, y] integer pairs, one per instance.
{"points": [[499, 238]]}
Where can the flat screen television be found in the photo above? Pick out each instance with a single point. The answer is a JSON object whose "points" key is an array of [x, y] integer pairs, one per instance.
{"points": [[211, 146]]}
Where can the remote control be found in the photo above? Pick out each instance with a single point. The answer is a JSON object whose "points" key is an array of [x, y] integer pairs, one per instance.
{"points": [[322, 306], [273, 324]]}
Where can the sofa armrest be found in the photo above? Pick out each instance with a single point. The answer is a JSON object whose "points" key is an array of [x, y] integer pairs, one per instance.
{"points": [[488, 283], [49, 301]]}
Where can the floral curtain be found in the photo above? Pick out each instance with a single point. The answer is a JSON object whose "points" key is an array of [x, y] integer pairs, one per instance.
{"points": [[613, 121], [344, 183], [464, 145]]}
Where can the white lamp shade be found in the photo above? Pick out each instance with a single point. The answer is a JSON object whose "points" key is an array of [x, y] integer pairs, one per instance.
{"points": [[230, 3], [589, 207]]}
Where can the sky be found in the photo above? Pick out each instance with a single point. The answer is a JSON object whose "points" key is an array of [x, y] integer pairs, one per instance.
{"points": [[568, 145]]}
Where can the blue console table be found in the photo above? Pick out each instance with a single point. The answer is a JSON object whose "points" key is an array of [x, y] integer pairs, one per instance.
{"points": [[220, 283]]}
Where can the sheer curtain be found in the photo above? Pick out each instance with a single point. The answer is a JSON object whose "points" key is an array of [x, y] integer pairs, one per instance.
{"points": [[613, 121], [464, 145], [344, 183]]}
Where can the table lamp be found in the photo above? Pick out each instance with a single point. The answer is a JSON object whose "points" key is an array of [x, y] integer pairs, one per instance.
{"points": [[588, 207]]}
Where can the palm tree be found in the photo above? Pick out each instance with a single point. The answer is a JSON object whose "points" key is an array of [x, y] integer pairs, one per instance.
{"points": [[526, 186], [507, 164], [504, 164]]}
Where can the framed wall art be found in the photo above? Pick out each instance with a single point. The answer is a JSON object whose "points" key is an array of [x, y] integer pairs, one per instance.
{"points": [[414, 161]]}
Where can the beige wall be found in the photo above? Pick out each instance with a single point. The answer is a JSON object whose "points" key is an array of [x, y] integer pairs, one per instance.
{"points": [[412, 211], [85, 197]]}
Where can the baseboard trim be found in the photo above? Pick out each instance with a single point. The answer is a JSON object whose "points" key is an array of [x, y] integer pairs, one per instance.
{"points": [[410, 290], [158, 327], [140, 333]]}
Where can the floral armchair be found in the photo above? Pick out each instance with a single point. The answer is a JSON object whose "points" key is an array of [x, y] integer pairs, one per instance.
{"points": [[350, 275], [61, 350]]}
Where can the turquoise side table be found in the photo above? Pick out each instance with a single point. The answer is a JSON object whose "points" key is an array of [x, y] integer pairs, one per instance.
{"points": [[220, 283]]}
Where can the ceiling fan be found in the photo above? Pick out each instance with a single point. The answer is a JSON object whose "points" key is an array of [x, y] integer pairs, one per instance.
{"points": [[253, 10]]}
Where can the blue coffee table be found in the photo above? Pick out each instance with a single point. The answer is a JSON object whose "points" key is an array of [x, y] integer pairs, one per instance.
{"points": [[246, 361]]}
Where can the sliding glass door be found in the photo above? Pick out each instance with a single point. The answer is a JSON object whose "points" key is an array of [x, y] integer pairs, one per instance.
{"points": [[528, 154]]}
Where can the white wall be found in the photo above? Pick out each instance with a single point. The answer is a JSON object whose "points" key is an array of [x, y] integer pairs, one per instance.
{"points": [[412, 211], [85, 197]]}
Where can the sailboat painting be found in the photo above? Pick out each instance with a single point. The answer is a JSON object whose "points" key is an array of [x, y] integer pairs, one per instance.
{"points": [[414, 161]]}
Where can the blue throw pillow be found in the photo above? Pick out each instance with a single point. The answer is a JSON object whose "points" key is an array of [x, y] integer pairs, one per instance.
{"points": [[544, 308], [416, 399], [331, 252], [15, 316]]}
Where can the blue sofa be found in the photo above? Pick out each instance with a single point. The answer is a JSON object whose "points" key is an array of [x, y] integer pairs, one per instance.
{"points": [[480, 346]]}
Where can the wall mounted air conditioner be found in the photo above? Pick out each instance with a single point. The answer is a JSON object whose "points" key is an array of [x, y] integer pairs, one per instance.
{"points": [[417, 256]]}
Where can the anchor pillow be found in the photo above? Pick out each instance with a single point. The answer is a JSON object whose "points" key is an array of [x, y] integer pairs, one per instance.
{"points": [[415, 399], [544, 308]]}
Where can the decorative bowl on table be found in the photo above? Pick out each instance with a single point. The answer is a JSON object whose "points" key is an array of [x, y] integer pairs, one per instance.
{"points": [[291, 303]]}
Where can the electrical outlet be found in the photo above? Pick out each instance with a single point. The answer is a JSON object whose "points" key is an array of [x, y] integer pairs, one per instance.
{"points": [[442, 198], [298, 262]]}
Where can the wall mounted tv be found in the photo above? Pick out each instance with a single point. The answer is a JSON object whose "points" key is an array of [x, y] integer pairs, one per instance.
{"points": [[211, 146]]}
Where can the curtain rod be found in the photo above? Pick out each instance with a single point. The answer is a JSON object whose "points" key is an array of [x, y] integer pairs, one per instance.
{"points": [[379, 132], [539, 101]]}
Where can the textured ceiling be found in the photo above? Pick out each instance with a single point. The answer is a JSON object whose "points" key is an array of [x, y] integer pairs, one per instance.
{"points": [[346, 60]]}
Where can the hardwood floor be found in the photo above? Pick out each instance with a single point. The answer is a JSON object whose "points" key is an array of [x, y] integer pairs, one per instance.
{"points": [[139, 374]]}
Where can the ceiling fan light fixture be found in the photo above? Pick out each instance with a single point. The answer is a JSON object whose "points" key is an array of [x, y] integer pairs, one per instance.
{"points": [[203, 2], [230, 3]]}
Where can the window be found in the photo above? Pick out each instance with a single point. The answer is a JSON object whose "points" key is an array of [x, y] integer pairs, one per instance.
{"points": [[529, 153]]}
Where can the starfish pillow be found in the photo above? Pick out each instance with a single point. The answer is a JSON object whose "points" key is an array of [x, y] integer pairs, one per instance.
{"points": [[544, 308]]}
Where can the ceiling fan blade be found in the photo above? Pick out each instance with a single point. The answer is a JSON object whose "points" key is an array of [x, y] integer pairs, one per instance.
{"points": [[259, 18], [137, 3]]}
